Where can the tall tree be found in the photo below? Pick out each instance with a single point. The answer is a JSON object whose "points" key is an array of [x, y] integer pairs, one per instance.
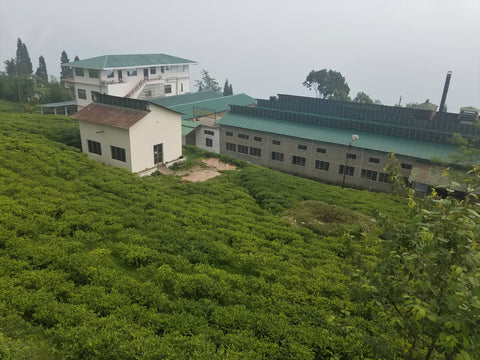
{"points": [[22, 60], [76, 58], [328, 84], [208, 82], [227, 88], [41, 73], [11, 67], [66, 71], [362, 98]]}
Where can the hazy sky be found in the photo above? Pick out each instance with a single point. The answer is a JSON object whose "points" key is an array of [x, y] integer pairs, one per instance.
{"points": [[387, 48]]}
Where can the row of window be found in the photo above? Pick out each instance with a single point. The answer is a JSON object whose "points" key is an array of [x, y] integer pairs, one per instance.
{"points": [[95, 147], [242, 149], [130, 72]]}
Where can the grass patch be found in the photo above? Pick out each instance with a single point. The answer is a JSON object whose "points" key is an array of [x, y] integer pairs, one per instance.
{"points": [[328, 220]]}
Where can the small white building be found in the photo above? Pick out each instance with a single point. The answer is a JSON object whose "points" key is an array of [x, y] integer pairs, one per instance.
{"points": [[129, 133], [141, 76]]}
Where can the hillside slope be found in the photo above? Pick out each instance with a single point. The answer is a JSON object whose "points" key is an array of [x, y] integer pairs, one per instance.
{"points": [[97, 263]]}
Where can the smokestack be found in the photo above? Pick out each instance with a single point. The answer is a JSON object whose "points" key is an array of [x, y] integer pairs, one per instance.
{"points": [[445, 91]]}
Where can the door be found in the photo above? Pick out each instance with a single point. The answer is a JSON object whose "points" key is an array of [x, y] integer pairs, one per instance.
{"points": [[145, 73], [120, 75], [158, 154]]}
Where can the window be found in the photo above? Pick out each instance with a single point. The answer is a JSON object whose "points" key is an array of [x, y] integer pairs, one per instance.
{"points": [[167, 67], [208, 132], [242, 149], [321, 150], [349, 170], [276, 142], [153, 70], [162, 69], [243, 136], [110, 73], [322, 165], [406, 166], [257, 138], [180, 68], [277, 156], [231, 147], [94, 96], [181, 87], [168, 89], [132, 72], [255, 151], [118, 153], [209, 142], [374, 160], [93, 73], [82, 94], [78, 72], [383, 177], [351, 156], [302, 147], [369, 174], [94, 147], [298, 160], [229, 133]]}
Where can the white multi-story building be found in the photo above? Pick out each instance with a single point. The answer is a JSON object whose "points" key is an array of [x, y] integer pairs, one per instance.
{"points": [[141, 76]]}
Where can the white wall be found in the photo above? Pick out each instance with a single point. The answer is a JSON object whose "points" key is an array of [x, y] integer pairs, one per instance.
{"points": [[200, 138], [161, 126], [106, 136]]}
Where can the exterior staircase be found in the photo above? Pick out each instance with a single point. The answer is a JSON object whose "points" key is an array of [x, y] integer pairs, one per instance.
{"points": [[136, 88]]}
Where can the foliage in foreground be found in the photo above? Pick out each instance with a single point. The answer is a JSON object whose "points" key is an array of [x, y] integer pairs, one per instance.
{"points": [[98, 263]]}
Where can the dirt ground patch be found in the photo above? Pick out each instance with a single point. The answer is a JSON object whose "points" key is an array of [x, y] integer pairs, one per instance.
{"points": [[198, 173]]}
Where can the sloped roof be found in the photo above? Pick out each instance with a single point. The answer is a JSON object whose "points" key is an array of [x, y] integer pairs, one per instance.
{"points": [[216, 105], [59, 104], [188, 127], [401, 146], [128, 61], [170, 101], [119, 117]]}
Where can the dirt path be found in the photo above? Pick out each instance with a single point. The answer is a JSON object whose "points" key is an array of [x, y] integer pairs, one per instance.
{"points": [[212, 170]]}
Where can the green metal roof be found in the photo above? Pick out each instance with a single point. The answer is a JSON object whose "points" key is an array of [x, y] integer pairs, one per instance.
{"points": [[169, 101], [188, 127], [128, 61], [60, 104], [377, 142], [215, 105]]}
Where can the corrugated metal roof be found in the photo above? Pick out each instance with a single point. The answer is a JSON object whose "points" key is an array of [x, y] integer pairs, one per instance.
{"points": [[216, 105], [126, 61], [377, 142], [188, 127], [110, 115], [59, 104], [170, 101]]}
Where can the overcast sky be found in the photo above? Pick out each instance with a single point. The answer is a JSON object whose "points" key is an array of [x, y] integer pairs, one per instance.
{"points": [[386, 48]]}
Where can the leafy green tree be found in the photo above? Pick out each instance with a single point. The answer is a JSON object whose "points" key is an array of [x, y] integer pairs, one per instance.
{"points": [[328, 84], [207, 82], [362, 98], [10, 67], [227, 88], [22, 60], [41, 73], [429, 276], [76, 58], [66, 71]]}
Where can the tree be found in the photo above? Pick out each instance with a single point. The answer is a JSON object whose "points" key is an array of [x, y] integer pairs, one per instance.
{"points": [[227, 88], [76, 58], [22, 60], [10, 67], [328, 84], [362, 98], [67, 71], [429, 277], [207, 82], [41, 73]]}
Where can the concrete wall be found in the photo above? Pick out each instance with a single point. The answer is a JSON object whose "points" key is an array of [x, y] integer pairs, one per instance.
{"points": [[334, 154], [202, 133], [161, 126], [106, 136]]}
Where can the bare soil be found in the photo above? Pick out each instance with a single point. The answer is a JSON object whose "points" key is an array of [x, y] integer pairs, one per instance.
{"points": [[198, 173]]}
